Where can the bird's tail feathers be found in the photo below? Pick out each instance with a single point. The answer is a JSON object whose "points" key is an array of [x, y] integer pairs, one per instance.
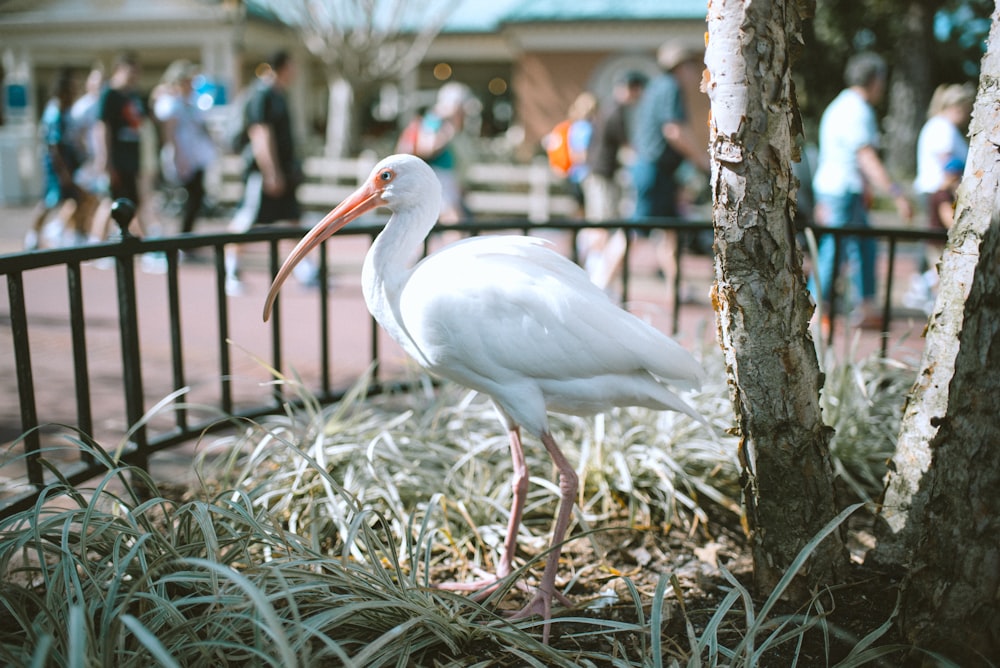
{"points": [[669, 401], [681, 369], [667, 360]]}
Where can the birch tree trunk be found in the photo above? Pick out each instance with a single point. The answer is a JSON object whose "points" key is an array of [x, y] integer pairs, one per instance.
{"points": [[762, 304], [941, 500], [928, 403]]}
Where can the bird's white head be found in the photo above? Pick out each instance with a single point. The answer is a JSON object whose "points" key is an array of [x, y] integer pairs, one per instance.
{"points": [[397, 182], [405, 181]]}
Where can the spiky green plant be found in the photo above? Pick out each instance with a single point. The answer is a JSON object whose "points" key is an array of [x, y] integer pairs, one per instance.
{"points": [[103, 577], [319, 532], [440, 457], [863, 402]]}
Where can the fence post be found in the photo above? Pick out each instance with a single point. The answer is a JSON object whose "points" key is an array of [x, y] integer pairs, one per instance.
{"points": [[25, 379], [122, 211]]}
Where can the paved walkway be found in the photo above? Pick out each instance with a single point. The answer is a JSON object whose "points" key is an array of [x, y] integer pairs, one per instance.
{"points": [[50, 343]]}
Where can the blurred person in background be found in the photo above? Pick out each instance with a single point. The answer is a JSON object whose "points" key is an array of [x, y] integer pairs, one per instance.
{"points": [[849, 167], [121, 115], [943, 137], [663, 140], [662, 137], [89, 176], [273, 172], [942, 140], [437, 141], [602, 251], [60, 162], [188, 149], [567, 143]]}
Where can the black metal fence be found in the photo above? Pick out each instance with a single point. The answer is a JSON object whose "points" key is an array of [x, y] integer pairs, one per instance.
{"points": [[185, 423]]}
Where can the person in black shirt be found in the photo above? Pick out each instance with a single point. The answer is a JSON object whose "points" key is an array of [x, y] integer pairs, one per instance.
{"points": [[120, 114], [273, 169]]}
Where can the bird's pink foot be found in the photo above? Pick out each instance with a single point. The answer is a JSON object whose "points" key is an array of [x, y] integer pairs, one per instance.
{"points": [[541, 605], [483, 587], [480, 589], [489, 583]]}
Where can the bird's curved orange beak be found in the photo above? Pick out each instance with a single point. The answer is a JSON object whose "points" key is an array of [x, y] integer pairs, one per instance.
{"points": [[364, 199]]}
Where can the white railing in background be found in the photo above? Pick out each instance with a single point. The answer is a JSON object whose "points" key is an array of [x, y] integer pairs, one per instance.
{"points": [[492, 189]]}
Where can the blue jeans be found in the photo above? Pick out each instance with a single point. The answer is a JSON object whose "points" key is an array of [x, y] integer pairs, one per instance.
{"points": [[842, 211], [655, 191]]}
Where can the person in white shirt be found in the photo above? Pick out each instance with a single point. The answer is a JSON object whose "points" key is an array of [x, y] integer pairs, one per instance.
{"points": [[943, 137], [848, 167], [942, 141]]}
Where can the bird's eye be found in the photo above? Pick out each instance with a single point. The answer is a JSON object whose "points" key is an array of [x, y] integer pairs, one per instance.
{"points": [[385, 175]]}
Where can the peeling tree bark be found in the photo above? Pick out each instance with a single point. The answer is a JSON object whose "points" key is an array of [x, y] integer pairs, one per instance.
{"points": [[762, 304], [930, 397], [942, 509]]}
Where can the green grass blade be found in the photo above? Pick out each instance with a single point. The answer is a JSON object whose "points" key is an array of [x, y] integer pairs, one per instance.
{"points": [[149, 641]]}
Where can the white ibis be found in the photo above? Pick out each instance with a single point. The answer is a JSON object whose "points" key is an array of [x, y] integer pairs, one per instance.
{"points": [[511, 318]]}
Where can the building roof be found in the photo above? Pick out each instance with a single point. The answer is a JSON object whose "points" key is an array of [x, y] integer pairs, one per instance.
{"points": [[479, 15], [484, 16], [602, 10]]}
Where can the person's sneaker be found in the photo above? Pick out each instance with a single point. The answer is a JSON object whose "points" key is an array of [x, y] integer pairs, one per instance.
{"points": [[52, 233], [102, 263], [31, 240], [306, 273], [918, 294], [154, 263], [234, 286]]}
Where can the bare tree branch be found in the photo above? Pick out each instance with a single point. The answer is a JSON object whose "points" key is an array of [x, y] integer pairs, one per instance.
{"points": [[365, 41]]}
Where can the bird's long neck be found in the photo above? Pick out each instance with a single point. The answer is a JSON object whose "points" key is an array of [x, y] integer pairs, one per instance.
{"points": [[387, 266]]}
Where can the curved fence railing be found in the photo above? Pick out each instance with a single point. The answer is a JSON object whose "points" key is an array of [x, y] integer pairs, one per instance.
{"points": [[143, 360]]}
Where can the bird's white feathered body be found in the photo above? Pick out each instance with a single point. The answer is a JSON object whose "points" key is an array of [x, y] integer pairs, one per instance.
{"points": [[512, 318]]}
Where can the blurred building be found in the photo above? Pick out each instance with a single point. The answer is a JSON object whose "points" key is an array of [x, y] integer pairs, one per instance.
{"points": [[525, 60]]}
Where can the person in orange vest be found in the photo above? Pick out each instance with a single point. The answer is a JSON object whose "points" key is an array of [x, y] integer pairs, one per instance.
{"points": [[566, 145]]}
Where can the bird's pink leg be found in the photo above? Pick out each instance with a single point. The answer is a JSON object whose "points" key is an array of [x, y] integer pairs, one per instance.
{"points": [[519, 483], [541, 603], [519, 486]]}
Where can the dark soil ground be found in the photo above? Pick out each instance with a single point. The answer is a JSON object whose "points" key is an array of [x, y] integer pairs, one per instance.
{"points": [[598, 564]]}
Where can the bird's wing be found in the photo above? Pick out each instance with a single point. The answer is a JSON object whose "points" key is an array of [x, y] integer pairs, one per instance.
{"points": [[511, 307]]}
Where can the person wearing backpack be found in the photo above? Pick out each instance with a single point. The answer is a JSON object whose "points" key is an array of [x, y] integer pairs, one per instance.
{"points": [[273, 170], [566, 145], [62, 157], [438, 139]]}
